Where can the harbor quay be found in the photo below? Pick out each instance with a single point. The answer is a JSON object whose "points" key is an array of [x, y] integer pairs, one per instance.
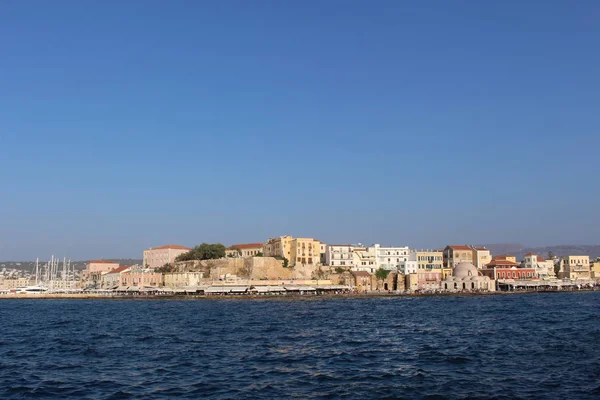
{"points": [[289, 266]]}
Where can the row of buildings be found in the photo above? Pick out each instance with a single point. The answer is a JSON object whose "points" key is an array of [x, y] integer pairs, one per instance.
{"points": [[421, 269]]}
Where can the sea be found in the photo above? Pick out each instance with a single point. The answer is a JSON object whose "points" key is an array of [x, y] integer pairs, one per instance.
{"points": [[526, 346]]}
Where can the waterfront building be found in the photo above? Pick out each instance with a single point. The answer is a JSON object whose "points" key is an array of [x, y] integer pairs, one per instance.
{"points": [[466, 277], [13, 283], [454, 254], [410, 267], [323, 252], [504, 269], [364, 259], [158, 256], [390, 258], [544, 269], [506, 257], [481, 257], [244, 250], [94, 270], [363, 281], [175, 280], [278, 247], [305, 251], [595, 270], [141, 277], [339, 255], [575, 267], [478, 256], [428, 259], [112, 279]]}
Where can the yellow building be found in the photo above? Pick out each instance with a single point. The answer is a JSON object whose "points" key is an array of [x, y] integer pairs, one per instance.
{"points": [[595, 270], [305, 251], [506, 257], [278, 247], [428, 259]]}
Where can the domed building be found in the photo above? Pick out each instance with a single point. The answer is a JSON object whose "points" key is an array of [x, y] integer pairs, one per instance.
{"points": [[466, 277]]}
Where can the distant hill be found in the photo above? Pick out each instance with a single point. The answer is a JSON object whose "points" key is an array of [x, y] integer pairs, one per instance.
{"points": [[29, 266], [519, 250]]}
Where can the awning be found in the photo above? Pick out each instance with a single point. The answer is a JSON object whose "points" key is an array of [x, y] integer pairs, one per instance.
{"points": [[300, 289], [269, 289]]}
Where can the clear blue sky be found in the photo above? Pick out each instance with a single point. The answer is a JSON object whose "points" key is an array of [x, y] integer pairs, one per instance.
{"points": [[130, 124]]}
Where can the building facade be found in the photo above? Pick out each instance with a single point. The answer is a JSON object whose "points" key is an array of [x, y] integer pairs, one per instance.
{"points": [[575, 267], [244, 250], [278, 247], [391, 258], [158, 256], [544, 269], [177, 280], [339, 255], [112, 279], [364, 259], [481, 257], [305, 251], [141, 278], [507, 270]]}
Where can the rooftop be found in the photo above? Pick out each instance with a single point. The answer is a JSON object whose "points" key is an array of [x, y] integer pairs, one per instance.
{"points": [[460, 247], [103, 261], [119, 269], [245, 246], [170, 246]]}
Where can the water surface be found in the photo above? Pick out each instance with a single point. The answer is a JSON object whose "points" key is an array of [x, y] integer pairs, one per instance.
{"points": [[526, 346]]}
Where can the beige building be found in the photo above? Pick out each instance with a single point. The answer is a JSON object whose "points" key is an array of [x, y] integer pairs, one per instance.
{"points": [[13, 283], [506, 257], [456, 254], [278, 247], [364, 259], [575, 267], [176, 280], [595, 270], [158, 256], [544, 269], [96, 269], [481, 257], [305, 251], [112, 279], [244, 250]]}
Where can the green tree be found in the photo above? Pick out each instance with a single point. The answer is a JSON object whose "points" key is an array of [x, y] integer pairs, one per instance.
{"points": [[382, 274], [286, 262], [339, 270], [204, 251]]}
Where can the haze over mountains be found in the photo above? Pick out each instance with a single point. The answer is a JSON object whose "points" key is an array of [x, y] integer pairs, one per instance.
{"points": [[519, 250]]}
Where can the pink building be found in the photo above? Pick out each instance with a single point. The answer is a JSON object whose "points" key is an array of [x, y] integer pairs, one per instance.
{"points": [[159, 256], [95, 269], [141, 278]]}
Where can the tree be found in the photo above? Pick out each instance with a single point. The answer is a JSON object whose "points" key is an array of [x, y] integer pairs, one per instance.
{"points": [[339, 270], [204, 251], [286, 262], [382, 274], [168, 267]]}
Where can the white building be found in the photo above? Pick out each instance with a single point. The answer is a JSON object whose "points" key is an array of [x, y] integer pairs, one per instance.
{"points": [[374, 257], [544, 269], [410, 267], [339, 255], [391, 258]]}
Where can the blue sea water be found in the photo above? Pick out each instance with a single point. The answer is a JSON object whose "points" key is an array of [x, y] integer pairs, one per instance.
{"points": [[521, 346]]}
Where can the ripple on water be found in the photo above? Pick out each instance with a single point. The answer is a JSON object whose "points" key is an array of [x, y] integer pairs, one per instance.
{"points": [[531, 346]]}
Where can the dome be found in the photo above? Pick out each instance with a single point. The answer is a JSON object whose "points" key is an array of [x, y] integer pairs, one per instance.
{"points": [[464, 270]]}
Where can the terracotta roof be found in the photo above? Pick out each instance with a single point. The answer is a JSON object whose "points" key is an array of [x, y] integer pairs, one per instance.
{"points": [[245, 246], [501, 264], [529, 254], [480, 248], [460, 247], [170, 246], [360, 273], [103, 261], [541, 259], [120, 269]]}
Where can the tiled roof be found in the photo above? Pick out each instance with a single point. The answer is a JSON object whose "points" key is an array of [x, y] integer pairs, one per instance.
{"points": [[529, 254], [103, 261], [120, 269], [170, 246], [460, 247], [245, 246], [501, 264]]}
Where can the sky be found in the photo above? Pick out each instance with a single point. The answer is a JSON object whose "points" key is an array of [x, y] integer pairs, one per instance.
{"points": [[131, 124]]}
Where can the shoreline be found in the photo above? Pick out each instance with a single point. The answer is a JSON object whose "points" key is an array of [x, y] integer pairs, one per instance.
{"points": [[94, 296]]}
